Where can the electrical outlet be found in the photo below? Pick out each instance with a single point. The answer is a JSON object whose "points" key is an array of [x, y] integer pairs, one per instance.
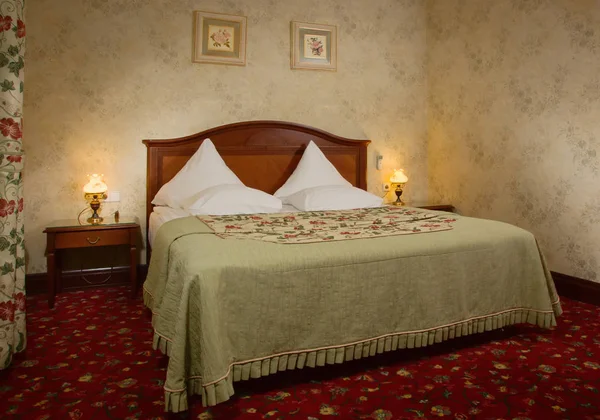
{"points": [[385, 187], [113, 197]]}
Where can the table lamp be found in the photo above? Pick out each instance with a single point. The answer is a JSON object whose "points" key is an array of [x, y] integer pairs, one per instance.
{"points": [[398, 179], [94, 191]]}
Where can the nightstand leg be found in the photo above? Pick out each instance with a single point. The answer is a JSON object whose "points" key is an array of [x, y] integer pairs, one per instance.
{"points": [[50, 260], [58, 272], [133, 270]]}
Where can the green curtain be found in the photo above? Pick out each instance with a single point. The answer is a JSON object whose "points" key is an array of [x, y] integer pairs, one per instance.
{"points": [[13, 335]]}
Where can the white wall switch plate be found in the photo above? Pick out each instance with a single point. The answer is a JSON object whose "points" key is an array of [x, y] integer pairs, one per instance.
{"points": [[385, 187], [113, 197]]}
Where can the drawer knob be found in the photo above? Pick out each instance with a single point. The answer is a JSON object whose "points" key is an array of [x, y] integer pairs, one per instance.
{"points": [[94, 241]]}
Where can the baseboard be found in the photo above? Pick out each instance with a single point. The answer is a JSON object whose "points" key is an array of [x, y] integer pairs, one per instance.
{"points": [[85, 279], [576, 288]]}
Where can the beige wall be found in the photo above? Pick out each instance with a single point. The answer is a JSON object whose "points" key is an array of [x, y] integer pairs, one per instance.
{"points": [[514, 119], [103, 75], [508, 90]]}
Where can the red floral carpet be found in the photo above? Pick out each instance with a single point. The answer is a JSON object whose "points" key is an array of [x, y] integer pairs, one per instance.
{"points": [[91, 358]]}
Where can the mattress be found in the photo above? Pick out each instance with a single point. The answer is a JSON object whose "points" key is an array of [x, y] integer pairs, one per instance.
{"points": [[163, 214]]}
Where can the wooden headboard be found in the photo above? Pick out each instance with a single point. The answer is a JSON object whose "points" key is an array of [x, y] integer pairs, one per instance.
{"points": [[263, 154]]}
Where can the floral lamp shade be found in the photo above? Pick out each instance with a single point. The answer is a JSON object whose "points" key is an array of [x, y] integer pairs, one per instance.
{"points": [[399, 177], [95, 185]]}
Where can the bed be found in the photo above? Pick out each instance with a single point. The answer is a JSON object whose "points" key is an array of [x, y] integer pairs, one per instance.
{"points": [[231, 309]]}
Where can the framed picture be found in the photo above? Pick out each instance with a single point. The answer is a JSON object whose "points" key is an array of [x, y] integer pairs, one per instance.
{"points": [[219, 39], [314, 46]]}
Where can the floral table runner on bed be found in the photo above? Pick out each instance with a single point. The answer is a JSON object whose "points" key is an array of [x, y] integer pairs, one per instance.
{"points": [[318, 226]]}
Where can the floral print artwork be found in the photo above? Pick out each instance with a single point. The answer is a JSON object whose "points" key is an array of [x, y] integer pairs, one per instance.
{"points": [[318, 226], [315, 45], [221, 38], [12, 247]]}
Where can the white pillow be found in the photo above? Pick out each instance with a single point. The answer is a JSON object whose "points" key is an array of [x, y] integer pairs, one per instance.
{"points": [[205, 169], [233, 199], [313, 170], [333, 197]]}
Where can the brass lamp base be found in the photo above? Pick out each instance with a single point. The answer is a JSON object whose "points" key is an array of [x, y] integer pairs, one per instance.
{"points": [[95, 219], [398, 192]]}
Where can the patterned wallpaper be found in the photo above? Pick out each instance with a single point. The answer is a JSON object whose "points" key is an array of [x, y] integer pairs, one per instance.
{"points": [[514, 119], [104, 74], [492, 106]]}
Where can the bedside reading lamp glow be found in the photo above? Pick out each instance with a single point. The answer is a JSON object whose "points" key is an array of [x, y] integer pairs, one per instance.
{"points": [[94, 191], [398, 179]]}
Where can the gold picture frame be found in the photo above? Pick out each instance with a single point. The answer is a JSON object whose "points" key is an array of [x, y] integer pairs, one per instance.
{"points": [[314, 46], [219, 38]]}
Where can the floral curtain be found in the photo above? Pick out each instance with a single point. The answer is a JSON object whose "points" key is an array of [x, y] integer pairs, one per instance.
{"points": [[12, 247]]}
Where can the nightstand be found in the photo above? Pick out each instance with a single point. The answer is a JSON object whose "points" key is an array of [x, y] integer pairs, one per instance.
{"points": [[438, 207], [65, 234]]}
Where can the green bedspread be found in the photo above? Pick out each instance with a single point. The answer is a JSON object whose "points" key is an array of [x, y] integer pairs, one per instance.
{"points": [[226, 310]]}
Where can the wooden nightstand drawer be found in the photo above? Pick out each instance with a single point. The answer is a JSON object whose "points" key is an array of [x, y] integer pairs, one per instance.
{"points": [[92, 238]]}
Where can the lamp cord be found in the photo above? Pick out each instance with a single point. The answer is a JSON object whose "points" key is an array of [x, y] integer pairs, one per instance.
{"points": [[80, 213], [110, 273]]}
